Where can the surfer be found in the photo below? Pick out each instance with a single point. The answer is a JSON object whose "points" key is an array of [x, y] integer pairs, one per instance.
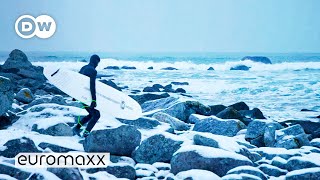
{"points": [[94, 115]]}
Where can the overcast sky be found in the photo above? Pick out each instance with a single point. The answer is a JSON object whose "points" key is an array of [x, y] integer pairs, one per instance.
{"points": [[168, 25]]}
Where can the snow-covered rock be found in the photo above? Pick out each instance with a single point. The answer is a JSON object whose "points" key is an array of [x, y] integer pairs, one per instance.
{"points": [[315, 142], [291, 137], [272, 170], [214, 125], [67, 173], [118, 141], [197, 174], [15, 146], [60, 129], [175, 123], [215, 160], [308, 173], [306, 161], [248, 170], [157, 148]]}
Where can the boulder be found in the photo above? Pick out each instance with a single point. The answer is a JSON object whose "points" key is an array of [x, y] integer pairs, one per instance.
{"points": [[309, 127], [157, 86], [219, 126], [54, 147], [67, 173], [157, 148], [16, 146], [315, 142], [180, 90], [128, 67], [229, 113], [215, 160], [272, 170], [271, 152], [148, 97], [169, 68], [111, 83], [175, 123], [210, 69], [142, 123], [309, 173], [168, 88], [112, 67], [60, 129], [248, 170], [256, 130], [255, 113], [150, 89], [240, 67], [150, 68], [291, 137], [119, 170], [120, 141], [261, 59], [6, 95], [25, 96], [307, 161], [240, 106], [58, 99], [14, 172], [197, 174], [215, 109], [279, 162]]}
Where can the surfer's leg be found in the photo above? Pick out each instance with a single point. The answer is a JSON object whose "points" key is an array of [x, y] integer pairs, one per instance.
{"points": [[93, 121]]}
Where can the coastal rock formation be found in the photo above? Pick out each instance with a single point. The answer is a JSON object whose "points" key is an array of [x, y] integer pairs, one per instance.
{"points": [[6, 95], [240, 67], [261, 59]]}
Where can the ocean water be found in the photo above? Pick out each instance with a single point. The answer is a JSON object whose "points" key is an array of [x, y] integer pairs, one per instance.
{"points": [[280, 89]]}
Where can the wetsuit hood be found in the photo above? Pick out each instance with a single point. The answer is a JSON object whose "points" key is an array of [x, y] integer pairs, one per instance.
{"points": [[94, 60]]}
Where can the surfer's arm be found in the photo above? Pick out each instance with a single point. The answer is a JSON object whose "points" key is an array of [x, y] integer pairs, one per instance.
{"points": [[93, 88]]}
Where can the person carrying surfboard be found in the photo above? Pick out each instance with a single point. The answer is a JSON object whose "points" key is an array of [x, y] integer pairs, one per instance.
{"points": [[94, 115]]}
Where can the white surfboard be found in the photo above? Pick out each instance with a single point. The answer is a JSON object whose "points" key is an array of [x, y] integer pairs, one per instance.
{"points": [[109, 100]]}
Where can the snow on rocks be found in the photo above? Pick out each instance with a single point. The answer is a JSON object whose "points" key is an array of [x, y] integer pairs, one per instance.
{"points": [[197, 174], [306, 161], [248, 170], [308, 173], [291, 137], [272, 170], [214, 125], [215, 160]]}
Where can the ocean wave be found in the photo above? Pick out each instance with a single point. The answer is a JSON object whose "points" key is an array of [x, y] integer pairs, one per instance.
{"points": [[188, 65]]}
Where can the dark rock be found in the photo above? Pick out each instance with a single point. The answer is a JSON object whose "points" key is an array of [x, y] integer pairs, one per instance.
{"points": [[272, 170], [279, 162], [261, 59], [175, 123], [150, 89], [291, 137], [148, 97], [240, 106], [142, 123], [112, 67], [60, 129], [309, 173], [157, 86], [150, 67], [6, 95], [207, 158], [16, 146], [248, 170], [315, 143], [168, 88], [54, 147], [215, 109], [218, 126], [205, 141], [307, 161], [157, 148], [198, 107], [25, 96], [51, 89], [180, 83], [111, 83], [229, 113], [128, 67], [309, 127], [210, 69], [180, 90], [121, 141], [58, 99], [255, 113], [256, 130], [13, 172], [307, 110], [240, 67], [118, 170], [66, 173], [169, 68]]}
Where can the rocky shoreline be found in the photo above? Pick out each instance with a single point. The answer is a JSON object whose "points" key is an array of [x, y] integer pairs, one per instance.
{"points": [[175, 139]]}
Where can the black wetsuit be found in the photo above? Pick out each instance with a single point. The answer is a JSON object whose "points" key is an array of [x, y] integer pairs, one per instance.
{"points": [[94, 115]]}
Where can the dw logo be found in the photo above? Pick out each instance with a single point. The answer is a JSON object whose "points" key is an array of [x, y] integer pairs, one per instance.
{"points": [[43, 26]]}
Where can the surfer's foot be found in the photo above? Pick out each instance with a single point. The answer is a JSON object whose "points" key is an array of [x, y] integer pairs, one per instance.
{"points": [[85, 134], [76, 130]]}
